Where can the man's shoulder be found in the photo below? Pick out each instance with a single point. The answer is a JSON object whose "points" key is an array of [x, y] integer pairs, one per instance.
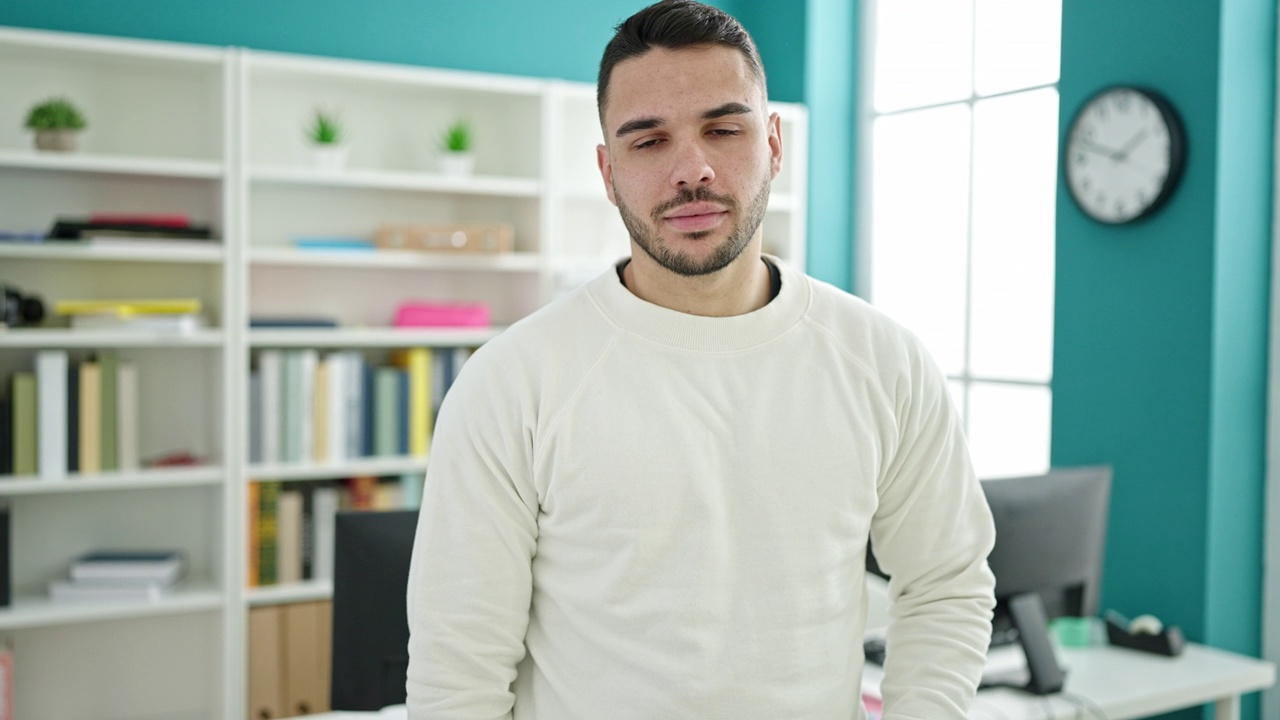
{"points": [[547, 340], [853, 321]]}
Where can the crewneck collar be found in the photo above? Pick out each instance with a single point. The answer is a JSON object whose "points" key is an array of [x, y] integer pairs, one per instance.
{"points": [[696, 332]]}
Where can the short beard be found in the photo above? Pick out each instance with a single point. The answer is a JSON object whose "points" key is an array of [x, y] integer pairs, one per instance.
{"points": [[650, 240]]}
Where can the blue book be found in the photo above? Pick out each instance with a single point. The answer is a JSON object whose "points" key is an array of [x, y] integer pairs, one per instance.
{"points": [[368, 411], [339, 244]]}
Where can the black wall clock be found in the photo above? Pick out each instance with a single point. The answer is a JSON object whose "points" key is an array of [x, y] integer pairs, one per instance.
{"points": [[1123, 155]]}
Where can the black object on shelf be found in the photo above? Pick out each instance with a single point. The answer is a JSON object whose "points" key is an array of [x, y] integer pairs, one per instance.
{"points": [[17, 309], [6, 568]]}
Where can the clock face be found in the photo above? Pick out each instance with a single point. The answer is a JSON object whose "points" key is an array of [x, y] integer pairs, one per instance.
{"points": [[1123, 155]]}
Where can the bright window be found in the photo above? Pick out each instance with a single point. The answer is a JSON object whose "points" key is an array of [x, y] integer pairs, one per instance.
{"points": [[964, 157]]}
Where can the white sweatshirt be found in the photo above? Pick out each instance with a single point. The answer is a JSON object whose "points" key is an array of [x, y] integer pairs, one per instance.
{"points": [[634, 513]]}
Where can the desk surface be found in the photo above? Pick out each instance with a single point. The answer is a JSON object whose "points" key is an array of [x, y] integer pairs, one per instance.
{"points": [[1111, 682], [1121, 684]]}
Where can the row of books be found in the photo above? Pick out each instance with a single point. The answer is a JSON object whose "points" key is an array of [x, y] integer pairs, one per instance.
{"points": [[307, 407], [68, 417], [291, 525]]}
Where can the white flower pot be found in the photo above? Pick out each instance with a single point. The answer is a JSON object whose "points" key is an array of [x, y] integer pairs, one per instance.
{"points": [[329, 158], [57, 140], [457, 164]]}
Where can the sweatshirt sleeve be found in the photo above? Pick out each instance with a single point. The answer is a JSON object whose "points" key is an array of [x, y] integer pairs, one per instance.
{"points": [[932, 532], [470, 579]]}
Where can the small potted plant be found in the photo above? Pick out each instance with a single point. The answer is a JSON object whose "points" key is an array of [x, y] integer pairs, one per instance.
{"points": [[325, 134], [56, 123], [456, 156]]}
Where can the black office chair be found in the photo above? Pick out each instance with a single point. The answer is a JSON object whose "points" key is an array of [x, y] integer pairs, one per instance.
{"points": [[370, 623]]}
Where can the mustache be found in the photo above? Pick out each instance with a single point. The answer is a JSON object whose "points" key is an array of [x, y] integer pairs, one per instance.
{"points": [[685, 196]]}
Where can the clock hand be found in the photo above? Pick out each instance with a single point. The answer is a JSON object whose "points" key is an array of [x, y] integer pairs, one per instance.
{"points": [[1123, 153], [1099, 149]]}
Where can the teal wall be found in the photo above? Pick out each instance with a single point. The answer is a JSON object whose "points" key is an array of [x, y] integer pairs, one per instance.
{"points": [[552, 39], [1161, 327]]}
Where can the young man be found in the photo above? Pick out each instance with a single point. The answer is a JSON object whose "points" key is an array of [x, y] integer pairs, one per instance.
{"points": [[653, 498]]}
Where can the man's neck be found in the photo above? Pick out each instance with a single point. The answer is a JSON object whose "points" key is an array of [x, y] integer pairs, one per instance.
{"points": [[741, 287]]}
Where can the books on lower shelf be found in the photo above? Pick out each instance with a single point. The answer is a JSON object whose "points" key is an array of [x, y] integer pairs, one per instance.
{"points": [[71, 591], [71, 417], [291, 525], [120, 575], [164, 566], [308, 407]]}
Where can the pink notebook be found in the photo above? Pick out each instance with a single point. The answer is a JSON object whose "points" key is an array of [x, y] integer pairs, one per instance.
{"points": [[431, 314]]}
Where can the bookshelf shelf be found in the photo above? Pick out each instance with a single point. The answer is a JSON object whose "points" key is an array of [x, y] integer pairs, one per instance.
{"points": [[400, 259], [11, 485], [54, 338], [206, 253], [112, 164], [399, 180], [39, 611], [372, 337], [290, 593], [363, 466]]}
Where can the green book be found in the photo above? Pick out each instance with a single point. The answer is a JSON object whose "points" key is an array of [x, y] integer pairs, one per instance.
{"points": [[386, 411], [109, 361], [291, 409], [25, 444], [268, 531]]}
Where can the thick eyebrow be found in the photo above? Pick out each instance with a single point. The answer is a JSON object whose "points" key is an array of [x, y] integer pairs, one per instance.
{"points": [[633, 126], [649, 123], [729, 108]]}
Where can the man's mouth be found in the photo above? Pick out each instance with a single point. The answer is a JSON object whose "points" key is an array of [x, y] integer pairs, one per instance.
{"points": [[696, 217]]}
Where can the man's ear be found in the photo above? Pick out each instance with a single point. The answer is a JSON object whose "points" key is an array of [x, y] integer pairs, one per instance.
{"points": [[775, 144], [606, 171]]}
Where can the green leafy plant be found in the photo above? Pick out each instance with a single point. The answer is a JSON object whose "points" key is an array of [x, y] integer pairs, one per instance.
{"points": [[457, 137], [55, 114], [325, 129]]}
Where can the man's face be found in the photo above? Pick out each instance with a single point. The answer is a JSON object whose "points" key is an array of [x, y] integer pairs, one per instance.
{"points": [[689, 155]]}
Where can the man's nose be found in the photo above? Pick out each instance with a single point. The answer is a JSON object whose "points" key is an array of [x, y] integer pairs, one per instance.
{"points": [[692, 167]]}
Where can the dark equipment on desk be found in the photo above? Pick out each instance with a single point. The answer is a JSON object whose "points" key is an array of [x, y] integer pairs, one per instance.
{"points": [[1050, 536], [18, 309], [1166, 641], [370, 623]]}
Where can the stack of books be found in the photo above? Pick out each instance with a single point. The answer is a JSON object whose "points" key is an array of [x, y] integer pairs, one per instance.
{"points": [[174, 315], [105, 575], [128, 230]]}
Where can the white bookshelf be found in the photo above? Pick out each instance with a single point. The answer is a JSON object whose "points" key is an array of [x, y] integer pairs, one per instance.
{"points": [[159, 139], [217, 133]]}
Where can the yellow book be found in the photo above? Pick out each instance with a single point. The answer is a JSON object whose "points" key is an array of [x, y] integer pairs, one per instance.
{"points": [[127, 308], [417, 362], [251, 563]]}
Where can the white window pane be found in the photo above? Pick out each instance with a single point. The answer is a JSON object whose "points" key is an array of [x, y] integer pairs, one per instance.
{"points": [[1018, 44], [1009, 429], [923, 52], [1014, 183], [919, 225]]}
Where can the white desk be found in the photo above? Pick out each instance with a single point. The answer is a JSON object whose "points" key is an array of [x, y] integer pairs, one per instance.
{"points": [[1122, 684], [1115, 683]]}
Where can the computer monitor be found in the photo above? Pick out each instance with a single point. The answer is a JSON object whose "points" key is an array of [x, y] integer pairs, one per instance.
{"points": [[370, 623], [1050, 536], [1051, 533]]}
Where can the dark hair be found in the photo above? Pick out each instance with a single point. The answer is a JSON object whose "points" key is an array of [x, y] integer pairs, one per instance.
{"points": [[674, 24]]}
